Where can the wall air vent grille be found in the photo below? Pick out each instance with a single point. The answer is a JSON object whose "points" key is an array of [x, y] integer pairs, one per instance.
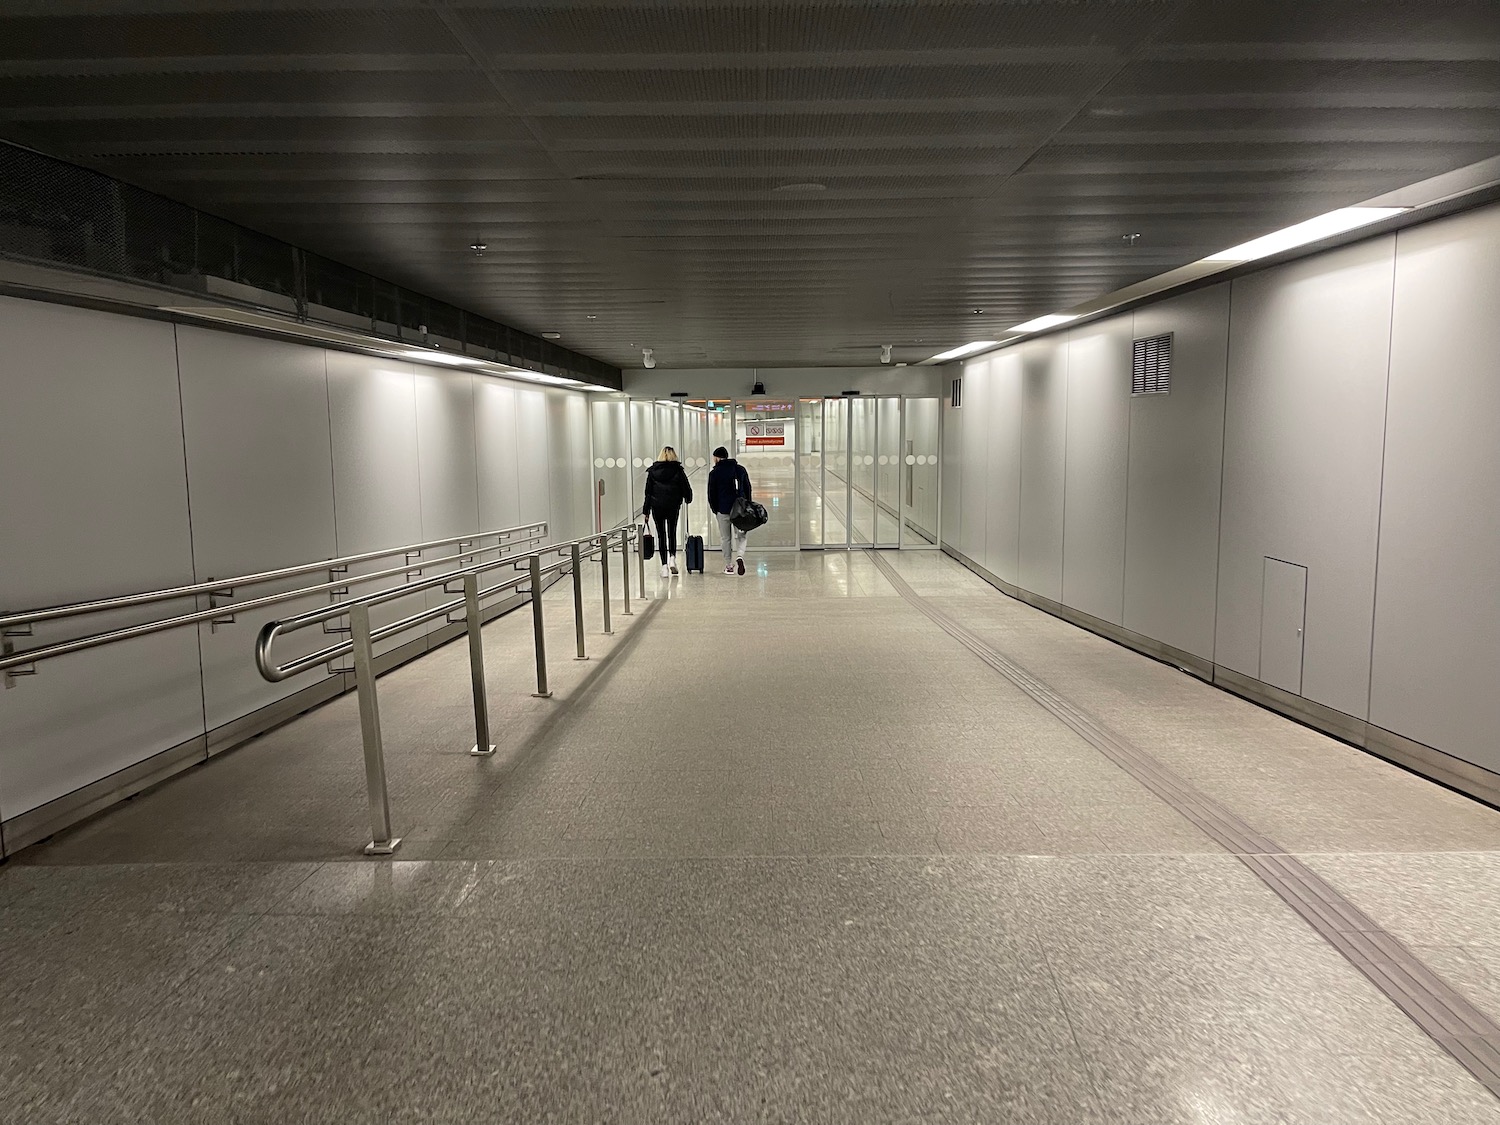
{"points": [[1151, 366], [958, 393]]}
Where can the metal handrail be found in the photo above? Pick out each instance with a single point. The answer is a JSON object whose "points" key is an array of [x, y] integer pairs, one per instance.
{"points": [[274, 629], [361, 643], [12, 624], [216, 585], [362, 636]]}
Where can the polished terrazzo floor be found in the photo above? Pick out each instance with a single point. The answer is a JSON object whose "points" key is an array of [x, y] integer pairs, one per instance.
{"points": [[782, 851]]}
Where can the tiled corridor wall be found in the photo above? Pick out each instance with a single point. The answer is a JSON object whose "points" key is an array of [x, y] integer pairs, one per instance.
{"points": [[1340, 413], [139, 455]]}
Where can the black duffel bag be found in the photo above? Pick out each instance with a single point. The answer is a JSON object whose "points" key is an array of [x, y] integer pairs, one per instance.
{"points": [[747, 515]]}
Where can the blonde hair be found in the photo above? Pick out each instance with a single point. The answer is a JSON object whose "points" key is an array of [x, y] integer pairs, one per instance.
{"points": [[667, 454]]}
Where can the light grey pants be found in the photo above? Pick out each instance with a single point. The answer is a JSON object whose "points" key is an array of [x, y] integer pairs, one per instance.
{"points": [[731, 541]]}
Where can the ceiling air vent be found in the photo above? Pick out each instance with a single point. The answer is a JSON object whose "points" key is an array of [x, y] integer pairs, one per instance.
{"points": [[1151, 366]]}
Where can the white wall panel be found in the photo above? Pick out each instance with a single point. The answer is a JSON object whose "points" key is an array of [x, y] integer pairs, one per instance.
{"points": [[376, 469], [1044, 420], [1098, 438], [495, 433], [953, 474], [260, 471], [1176, 464], [533, 466], [579, 474], [448, 465], [1308, 351], [1437, 608], [611, 449], [1002, 555], [446, 452], [974, 417], [95, 503]]}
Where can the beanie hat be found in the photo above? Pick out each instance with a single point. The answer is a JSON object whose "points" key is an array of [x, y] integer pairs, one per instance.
{"points": [[722, 452]]}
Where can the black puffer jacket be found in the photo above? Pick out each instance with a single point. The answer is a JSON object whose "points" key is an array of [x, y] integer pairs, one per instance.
{"points": [[667, 488]]}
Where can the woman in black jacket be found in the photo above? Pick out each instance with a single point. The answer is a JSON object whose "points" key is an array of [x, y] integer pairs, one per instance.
{"points": [[667, 490]]}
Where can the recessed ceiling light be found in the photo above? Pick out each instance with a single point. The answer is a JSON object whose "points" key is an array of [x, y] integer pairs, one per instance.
{"points": [[978, 311], [1324, 226], [551, 335], [591, 316], [1108, 111], [479, 246], [954, 353], [807, 185], [1130, 239], [1042, 322]]}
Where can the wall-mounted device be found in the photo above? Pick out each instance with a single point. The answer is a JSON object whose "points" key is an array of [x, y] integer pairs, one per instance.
{"points": [[885, 353], [648, 357]]}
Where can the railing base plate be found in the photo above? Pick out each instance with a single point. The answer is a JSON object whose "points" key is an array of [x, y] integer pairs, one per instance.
{"points": [[383, 847], [478, 753], [541, 695]]}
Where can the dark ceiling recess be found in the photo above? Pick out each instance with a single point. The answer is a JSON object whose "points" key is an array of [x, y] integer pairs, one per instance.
{"points": [[630, 160], [57, 214]]}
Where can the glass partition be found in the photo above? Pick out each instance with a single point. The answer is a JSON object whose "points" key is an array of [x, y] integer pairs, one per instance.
{"points": [[766, 435], [919, 492]]}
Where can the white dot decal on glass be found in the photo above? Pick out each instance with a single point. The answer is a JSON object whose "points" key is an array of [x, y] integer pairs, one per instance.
{"points": [[910, 460], [598, 462], [869, 460]]}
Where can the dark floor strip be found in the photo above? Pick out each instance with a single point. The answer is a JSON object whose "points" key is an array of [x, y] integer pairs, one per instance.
{"points": [[1464, 1031]]}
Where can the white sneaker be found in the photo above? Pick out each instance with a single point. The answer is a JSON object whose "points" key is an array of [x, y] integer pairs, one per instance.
{"points": [[729, 570], [739, 565], [674, 569], [665, 573]]}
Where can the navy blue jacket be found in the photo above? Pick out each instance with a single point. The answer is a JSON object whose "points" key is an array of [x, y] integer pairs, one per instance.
{"points": [[726, 480]]}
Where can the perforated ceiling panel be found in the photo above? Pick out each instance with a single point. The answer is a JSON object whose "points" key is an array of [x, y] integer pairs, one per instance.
{"points": [[759, 183]]}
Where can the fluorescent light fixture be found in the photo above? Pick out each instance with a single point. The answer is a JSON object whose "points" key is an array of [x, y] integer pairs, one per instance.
{"points": [[539, 377], [1052, 320], [954, 353], [1313, 230], [448, 359]]}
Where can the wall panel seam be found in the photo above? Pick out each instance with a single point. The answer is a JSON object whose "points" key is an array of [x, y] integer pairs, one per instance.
{"points": [[333, 472], [1385, 439], [1223, 460], [187, 492]]}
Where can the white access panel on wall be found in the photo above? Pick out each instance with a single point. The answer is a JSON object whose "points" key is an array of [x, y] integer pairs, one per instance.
{"points": [[1283, 620]]}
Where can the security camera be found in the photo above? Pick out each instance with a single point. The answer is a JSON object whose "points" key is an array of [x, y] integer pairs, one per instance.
{"points": [[648, 357], [885, 353]]}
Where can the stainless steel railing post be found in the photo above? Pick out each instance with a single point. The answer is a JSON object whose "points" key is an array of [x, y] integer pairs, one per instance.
{"points": [[538, 629], [382, 842], [578, 601], [624, 569], [604, 572], [483, 747]]}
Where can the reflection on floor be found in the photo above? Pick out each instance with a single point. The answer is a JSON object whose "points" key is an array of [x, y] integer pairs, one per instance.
{"points": [[784, 850]]}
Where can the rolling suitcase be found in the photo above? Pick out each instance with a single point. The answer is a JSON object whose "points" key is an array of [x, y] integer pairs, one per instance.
{"points": [[693, 552]]}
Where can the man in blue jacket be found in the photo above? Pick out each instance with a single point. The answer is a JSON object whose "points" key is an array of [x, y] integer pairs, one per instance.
{"points": [[727, 481]]}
